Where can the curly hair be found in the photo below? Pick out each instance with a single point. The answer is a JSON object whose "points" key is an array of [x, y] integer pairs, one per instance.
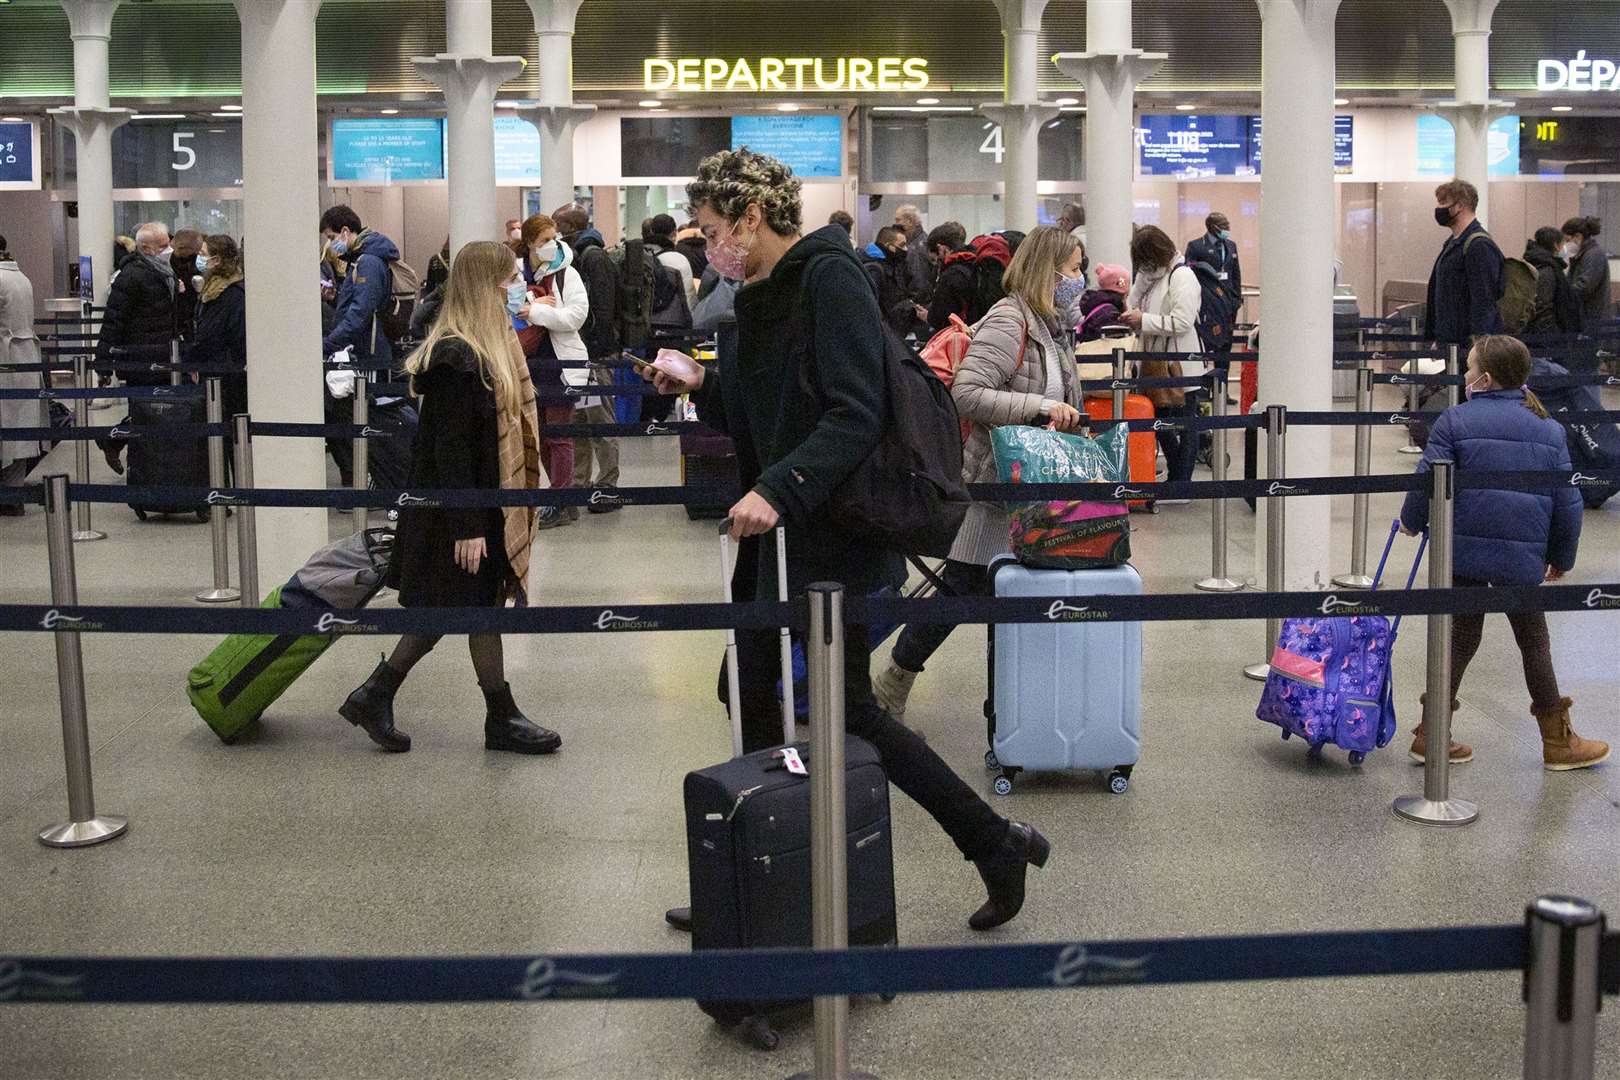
{"points": [[728, 182]]}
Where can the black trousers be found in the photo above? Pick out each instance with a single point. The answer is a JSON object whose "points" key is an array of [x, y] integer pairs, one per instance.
{"points": [[912, 765]]}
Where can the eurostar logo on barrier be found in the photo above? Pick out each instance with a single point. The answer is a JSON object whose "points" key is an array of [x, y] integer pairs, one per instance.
{"points": [[1332, 605], [656, 428], [162, 392], [1285, 489], [55, 620], [1123, 492], [1063, 611], [609, 621], [122, 433], [1580, 479], [1076, 966], [600, 497], [1399, 418], [17, 983], [543, 979], [336, 624], [1120, 384], [1599, 600], [407, 499], [219, 498], [1166, 425], [369, 431], [1612, 380]]}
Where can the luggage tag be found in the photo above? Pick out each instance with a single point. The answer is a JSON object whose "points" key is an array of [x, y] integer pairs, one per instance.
{"points": [[789, 757]]}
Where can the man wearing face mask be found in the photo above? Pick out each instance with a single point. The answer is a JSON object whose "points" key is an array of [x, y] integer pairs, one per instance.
{"points": [[1467, 280], [1217, 248], [367, 283], [140, 319], [887, 262]]}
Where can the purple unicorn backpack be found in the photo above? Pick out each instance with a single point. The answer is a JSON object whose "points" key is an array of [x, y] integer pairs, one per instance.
{"points": [[1330, 679]]}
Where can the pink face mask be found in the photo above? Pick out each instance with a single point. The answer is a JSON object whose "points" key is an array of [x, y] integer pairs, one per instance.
{"points": [[729, 257]]}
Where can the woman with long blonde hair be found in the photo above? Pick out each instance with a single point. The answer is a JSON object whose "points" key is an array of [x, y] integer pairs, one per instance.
{"points": [[478, 430]]}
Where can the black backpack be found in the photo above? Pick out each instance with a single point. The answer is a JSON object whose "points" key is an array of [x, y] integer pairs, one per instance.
{"points": [[1217, 308], [637, 269], [987, 287], [908, 495], [669, 308]]}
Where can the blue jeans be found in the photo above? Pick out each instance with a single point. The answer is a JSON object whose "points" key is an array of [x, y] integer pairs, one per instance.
{"points": [[1181, 447]]}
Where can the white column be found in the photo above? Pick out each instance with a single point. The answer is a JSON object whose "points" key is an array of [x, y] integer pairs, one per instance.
{"points": [[92, 124], [1020, 112], [1110, 69], [281, 209], [556, 116], [1296, 280], [470, 77], [1473, 110]]}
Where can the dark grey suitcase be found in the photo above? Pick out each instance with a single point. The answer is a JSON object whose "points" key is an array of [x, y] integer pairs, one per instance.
{"points": [[160, 462]]}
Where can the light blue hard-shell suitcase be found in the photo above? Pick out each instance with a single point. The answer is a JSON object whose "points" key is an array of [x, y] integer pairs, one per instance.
{"points": [[1067, 694]]}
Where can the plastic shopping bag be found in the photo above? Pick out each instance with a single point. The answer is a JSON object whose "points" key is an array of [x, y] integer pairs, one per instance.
{"points": [[1065, 534]]}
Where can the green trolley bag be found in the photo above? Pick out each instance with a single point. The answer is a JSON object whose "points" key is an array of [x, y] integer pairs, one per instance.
{"points": [[246, 673]]}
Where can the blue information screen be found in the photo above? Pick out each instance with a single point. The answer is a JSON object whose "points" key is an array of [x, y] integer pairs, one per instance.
{"points": [[19, 158], [517, 152], [390, 150], [1344, 143], [1194, 146], [1437, 146], [812, 146]]}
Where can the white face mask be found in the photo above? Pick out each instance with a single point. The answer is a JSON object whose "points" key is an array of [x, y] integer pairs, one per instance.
{"points": [[516, 234], [546, 253], [1570, 249]]}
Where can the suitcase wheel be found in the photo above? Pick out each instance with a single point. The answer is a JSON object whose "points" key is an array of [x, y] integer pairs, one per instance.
{"points": [[887, 999], [990, 761], [1004, 784], [1119, 781], [758, 1033], [140, 515], [1315, 752], [1357, 757], [202, 516]]}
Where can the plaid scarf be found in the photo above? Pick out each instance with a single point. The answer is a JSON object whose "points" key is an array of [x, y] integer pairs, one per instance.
{"points": [[519, 440]]}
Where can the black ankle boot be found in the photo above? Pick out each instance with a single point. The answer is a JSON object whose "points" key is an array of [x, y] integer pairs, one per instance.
{"points": [[1003, 874], [506, 728], [371, 708]]}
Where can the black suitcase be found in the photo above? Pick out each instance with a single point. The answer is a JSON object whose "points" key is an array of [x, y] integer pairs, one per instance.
{"points": [[748, 855], [388, 457], [162, 462]]}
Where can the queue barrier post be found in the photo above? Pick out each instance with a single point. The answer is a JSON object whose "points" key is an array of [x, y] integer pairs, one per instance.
{"points": [[361, 464], [1412, 406], [829, 871], [247, 535], [174, 361], [1436, 806], [1453, 391], [221, 592], [1276, 511], [1218, 580], [1119, 391], [84, 826], [1562, 988], [1357, 578], [83, 532]]}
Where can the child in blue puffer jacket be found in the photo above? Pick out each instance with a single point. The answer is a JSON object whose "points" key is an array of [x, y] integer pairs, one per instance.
{"points": [[1507, 537]]}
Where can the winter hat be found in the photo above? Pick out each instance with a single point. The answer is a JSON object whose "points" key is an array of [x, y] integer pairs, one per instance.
{"points": [[1113, 279]]}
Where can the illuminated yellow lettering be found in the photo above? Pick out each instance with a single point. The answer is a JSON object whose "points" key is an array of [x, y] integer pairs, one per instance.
{"points": [[1547, 131], [658, 74], [837, 81], [742, 76], [770, 74], [860, 74], [888, 73], [714, 72], [916, 70], [798, 64], [688, 74]]}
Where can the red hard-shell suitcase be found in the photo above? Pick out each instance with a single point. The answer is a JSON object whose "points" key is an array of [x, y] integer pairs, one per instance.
{"points": [[1143, 449]]}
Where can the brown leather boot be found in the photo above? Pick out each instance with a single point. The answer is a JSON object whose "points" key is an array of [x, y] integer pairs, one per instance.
{"points": [[1460, 752], [1561, 748]]}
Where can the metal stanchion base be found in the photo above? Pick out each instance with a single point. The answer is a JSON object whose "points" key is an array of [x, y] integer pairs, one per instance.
{"points": [[1448, 814], [227, 595], [85, 536], [1257, 672], [1410, 449], [1353, 581], [84, 833], [1219, 584]]}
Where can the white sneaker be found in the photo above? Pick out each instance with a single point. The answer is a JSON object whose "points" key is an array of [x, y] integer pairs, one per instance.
{"points": [[892, 687]]}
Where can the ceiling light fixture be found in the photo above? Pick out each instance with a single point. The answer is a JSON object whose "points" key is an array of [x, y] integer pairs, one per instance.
{"points": [[507, 103], [389, 112], [787, 106], [1066, 101], [928, 101], [11, 120], [1563, 108], [159, 116], [1341, 101], [651, 104], [230, 108], [226, 115], [1185, 107]]}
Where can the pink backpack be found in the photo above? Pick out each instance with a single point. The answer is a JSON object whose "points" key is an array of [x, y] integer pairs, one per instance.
{"points": [[945, 350]]}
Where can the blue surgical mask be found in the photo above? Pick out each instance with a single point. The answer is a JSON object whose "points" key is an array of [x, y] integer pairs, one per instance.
{"points": [[1225, 234], [202, 264], [340, 247], [517, 297], [1068, 290]]}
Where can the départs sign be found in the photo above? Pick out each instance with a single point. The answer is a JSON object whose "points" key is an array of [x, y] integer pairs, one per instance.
{"points": [[1578, 75], [785, 75]]}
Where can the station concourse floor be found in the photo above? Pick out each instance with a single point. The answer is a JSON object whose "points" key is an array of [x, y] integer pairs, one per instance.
{"points": [[304, 839]]}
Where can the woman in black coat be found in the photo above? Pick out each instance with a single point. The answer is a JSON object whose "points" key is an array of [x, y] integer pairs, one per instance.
{"points": [[221, 336], [479, 431]]}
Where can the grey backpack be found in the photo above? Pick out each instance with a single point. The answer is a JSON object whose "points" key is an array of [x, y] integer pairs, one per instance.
{"points": [[344, 574]]}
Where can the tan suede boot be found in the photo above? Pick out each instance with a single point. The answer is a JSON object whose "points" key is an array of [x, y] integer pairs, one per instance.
{"points": [[1561, 748], [1460, 752], [892, 687]]}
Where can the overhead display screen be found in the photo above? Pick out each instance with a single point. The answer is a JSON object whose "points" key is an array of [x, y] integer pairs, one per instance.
{"points": [[1437, 146], [517, 152], [388, 150], [1192, 146], [811, 146], [1344, 143], [1569, 145], [19, 156], [177, 154]]}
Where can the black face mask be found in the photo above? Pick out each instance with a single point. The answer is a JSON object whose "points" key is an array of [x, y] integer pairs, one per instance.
{"points": [[897, 254], [1444, 216]]}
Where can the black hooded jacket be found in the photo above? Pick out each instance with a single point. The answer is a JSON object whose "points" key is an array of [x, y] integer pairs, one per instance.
{"points": [[1557, 309]]}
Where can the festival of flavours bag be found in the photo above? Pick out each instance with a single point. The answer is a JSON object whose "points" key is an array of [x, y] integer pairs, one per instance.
{"points": [[1065, 534]]}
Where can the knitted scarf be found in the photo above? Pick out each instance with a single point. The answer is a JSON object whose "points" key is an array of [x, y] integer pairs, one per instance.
{"points": [[217, 283], [519, 442]]}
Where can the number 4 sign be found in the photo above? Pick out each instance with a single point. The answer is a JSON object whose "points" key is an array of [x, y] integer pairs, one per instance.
{"points": [[993, 144]]}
